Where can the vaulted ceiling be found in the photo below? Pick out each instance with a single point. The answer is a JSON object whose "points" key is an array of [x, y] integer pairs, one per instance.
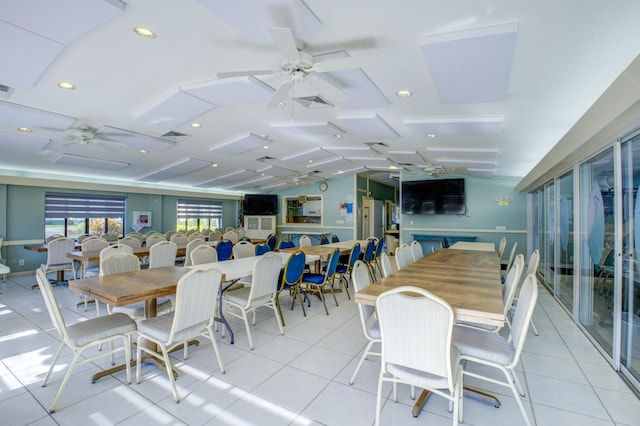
{"points": [[253, 96]]}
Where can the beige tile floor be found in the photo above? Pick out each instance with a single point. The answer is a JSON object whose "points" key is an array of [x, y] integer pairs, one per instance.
{"points": [[300, 378]]}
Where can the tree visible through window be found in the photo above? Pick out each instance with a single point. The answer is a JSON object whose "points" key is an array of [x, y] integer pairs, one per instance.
{"points": [[198, 214], [74, 215]]}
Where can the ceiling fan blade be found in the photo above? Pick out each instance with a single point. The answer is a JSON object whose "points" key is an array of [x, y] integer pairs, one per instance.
{"points": [[328, 89], [244, 73], [283, 39], [349, 62], [281, 94]]}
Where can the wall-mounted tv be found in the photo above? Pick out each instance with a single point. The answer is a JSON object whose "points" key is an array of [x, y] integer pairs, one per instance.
{"points": [[436, 196], [260, 204]]}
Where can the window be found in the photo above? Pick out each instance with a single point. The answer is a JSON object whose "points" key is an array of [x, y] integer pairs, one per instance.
{"points": [[198, 214], [304, 210], [74, 215]]}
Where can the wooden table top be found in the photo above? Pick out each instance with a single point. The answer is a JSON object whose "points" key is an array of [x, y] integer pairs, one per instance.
{"points": [[348, 245], [474, 291], [130, 287], [474, 245], [322, 251], [94, 255], [42, 247], [475, 258]]}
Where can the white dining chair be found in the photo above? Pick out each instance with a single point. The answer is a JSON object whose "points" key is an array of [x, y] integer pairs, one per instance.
{"points": [[416, 333], [416, 250], [304, 241], [162, 253], [243, 249], [84, 335], [155, 238], [132, 242], [496, 351], [385, 264], [368, 320], [403, 256], [57, 259], [196, 296], [203, 254], [261, 293], [192, 244]]}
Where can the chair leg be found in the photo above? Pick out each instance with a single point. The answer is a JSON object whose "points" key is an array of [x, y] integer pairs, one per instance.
{"points": [[278, 315], [279, 310], [216, 350], [53, 364], [172, 380], [127, 356], [367, 351], [65, 381], [534, 328], [247, 327]]}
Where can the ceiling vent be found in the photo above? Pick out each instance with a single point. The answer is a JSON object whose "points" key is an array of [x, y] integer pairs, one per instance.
{"points": [[175, 136], [5, 91], [312, 102], [265, 159]]}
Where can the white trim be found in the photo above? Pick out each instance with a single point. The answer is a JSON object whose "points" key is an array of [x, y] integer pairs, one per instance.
{"points": [[487, 231]]}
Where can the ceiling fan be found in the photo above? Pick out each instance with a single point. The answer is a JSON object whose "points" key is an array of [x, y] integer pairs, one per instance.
{"points": [[300, 65], [86, 135]]}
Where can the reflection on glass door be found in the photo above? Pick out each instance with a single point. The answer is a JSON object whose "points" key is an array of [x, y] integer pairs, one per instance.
{"points": [[548, 231], [597, 274], [564, 216], [630, 302]]}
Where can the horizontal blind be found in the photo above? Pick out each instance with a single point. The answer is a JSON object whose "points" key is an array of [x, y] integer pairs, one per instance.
{"points": [[199, 209], [60, 206]]}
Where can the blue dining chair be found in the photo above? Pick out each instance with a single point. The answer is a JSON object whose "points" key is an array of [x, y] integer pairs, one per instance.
{"points": [[334, 238], [344, 271], [318, 282], [285, 244], [290, 280], [324, 240], [262, 249], [271, 241], [225, 250]]}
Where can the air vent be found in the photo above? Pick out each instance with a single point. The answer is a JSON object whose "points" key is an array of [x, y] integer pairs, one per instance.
{"points": [[372, 144], [311, 102], [175, 136], [5, 91], [265, 159]]}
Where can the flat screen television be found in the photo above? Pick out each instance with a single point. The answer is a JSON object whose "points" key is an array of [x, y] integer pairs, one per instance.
{"points": [[260, 204], [436, 196]]}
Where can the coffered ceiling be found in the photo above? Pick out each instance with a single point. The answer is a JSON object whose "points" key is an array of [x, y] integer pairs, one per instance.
{"points": [[251, 96]]}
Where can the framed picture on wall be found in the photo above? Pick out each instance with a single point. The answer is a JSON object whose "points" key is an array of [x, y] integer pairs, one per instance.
{"points": [[142, 219]]}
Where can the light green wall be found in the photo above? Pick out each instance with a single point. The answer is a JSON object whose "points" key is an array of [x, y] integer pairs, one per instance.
{"points": [[22, 217], [483, 215]]}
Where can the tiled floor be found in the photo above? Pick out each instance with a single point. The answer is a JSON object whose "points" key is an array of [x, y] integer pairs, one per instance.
{"points": [[300, 378]]}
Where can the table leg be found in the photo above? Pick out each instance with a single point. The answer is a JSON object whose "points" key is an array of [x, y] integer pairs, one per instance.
{"points": [[221, 318], [468, 391]]}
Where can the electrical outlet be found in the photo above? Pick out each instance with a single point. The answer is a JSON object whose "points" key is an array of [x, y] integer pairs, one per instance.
{"points": [[21, 262]]}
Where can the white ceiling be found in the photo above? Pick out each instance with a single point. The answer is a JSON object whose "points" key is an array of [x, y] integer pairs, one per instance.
{"points": [[498, 82]]}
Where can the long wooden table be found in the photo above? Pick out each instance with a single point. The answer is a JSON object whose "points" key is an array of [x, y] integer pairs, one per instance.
{"points": [[324, 251], [469, 280]]}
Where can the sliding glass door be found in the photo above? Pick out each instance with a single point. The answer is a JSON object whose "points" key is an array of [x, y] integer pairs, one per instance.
{"points": [[630, 291], [597, 275]]}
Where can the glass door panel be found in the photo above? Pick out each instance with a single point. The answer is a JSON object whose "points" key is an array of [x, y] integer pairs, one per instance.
{"points": [[547, 228], [564, 217], [630, 302], [597, 274]]}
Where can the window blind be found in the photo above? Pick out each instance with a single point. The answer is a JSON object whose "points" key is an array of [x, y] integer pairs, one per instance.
{"points": [[199, 209], [59, 206]]}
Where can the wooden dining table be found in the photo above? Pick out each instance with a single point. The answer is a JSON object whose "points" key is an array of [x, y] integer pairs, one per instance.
{"points": [[469, 280], [323, 251]]}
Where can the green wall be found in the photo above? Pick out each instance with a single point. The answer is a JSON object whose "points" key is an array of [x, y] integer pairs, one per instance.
{"points": [[22, 218]]}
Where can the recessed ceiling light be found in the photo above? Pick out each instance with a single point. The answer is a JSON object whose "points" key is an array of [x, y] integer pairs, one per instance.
{"points": [[265, 147], [144, 32], [143, 151], [196, 125], [309, 161], [431, 135], [66, 85], [282, 104], [393, 167], [403, 93], [24, 130], [337, 136], [214, 164]]}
